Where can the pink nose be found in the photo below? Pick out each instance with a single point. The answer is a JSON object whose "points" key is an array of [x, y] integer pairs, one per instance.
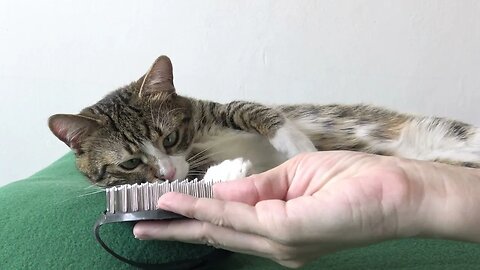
{"points": [[170, 174]]}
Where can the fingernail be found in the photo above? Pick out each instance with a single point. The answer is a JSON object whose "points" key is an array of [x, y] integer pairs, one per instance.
{"points": [[136, 236], [139, 233]]}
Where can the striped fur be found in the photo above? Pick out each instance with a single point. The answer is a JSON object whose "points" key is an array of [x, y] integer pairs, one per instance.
{"points": [[126, 136]]}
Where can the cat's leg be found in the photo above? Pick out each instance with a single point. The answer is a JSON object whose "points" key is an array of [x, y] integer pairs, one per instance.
{"points": [[290, 140], [228, 170], [263, 120]]}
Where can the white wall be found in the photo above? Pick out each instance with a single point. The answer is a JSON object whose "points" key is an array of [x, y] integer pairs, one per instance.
{"points": [[59, 56]]}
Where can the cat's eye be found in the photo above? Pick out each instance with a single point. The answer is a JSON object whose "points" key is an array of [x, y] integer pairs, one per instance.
{"points": [[171, 139], [130, 164]]}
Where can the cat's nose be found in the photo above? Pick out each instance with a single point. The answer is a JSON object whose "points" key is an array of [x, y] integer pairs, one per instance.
{"points": [[170, 174], [167, 174]]}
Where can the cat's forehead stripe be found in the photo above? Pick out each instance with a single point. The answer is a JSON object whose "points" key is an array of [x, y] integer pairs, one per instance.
{"points": [[151, 150]]}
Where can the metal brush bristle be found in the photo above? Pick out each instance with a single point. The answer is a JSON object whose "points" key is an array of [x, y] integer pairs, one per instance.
{"points": [[143, 197]]}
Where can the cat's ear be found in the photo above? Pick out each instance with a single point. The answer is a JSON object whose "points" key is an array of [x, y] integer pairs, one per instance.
{"points": [[72, 129], [158, 79]]}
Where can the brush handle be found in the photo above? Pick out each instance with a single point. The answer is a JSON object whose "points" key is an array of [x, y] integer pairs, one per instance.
{"points": [[197, 263], [140, 215]]}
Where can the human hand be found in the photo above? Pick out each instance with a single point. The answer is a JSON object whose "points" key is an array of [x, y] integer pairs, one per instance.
{"points": [[313, 204]]}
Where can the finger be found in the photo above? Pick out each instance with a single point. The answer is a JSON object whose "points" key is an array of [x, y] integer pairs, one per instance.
{"points": [[239, 216], [272, 184], [199, 232]]}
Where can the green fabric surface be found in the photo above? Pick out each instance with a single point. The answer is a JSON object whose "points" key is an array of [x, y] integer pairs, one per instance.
{"points": [[47, 220]]}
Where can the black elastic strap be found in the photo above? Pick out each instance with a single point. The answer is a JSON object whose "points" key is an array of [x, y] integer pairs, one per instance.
{"points": [[198, 263]]}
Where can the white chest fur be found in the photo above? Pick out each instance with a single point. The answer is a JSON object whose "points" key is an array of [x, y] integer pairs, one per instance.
{"points": [[228, 145]]}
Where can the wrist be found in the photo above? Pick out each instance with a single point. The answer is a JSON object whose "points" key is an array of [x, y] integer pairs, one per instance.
{"points": [[446, 201]]}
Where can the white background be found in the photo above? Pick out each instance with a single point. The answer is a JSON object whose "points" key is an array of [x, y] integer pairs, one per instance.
{"points": [[60, 56]]}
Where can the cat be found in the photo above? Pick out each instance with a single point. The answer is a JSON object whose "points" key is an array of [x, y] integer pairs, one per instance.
{"points": [[145, 131]]}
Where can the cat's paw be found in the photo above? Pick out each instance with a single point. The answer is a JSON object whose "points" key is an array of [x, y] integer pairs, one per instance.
{"points": [[291, 141], [228, 170]]}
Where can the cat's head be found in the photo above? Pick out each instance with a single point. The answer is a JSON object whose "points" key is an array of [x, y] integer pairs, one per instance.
{"points": [[141, 132]]}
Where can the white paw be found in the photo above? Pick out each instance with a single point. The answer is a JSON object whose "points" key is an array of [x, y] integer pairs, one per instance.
{"points": [[291, 141], [228, 170]]}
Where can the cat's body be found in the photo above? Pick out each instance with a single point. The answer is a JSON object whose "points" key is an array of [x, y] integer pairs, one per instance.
{"points": [[366, 129], [145, 131]]}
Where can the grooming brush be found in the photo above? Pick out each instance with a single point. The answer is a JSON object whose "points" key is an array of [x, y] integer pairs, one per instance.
{"points": [[137, 202]]}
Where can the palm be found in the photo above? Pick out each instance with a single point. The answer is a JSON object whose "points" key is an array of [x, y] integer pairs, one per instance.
{"points": [[346, 196]]}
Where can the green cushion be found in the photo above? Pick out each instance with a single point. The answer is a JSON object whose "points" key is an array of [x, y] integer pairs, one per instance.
{"points": [[47, 219]]}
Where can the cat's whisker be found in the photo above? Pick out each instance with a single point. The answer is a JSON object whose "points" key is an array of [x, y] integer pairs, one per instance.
{"points": [[192, 158], [197, 166], [196, 171], [90, 193], [195, 157], [200, 164], [201, 152], [73, 197], [91, 186], [206, 157], [199, 160]]}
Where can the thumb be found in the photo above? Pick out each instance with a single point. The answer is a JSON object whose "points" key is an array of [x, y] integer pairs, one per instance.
{"points": [[272, 184]]}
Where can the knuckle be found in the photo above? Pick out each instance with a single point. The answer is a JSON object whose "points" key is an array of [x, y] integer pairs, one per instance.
{"points": [[216, 216], [191, 211], [205, 230], [206, 235], [218, 221], [219, 218]]}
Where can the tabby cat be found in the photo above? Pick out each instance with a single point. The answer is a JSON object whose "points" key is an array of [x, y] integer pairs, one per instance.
{"points": [[145, 131]]}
